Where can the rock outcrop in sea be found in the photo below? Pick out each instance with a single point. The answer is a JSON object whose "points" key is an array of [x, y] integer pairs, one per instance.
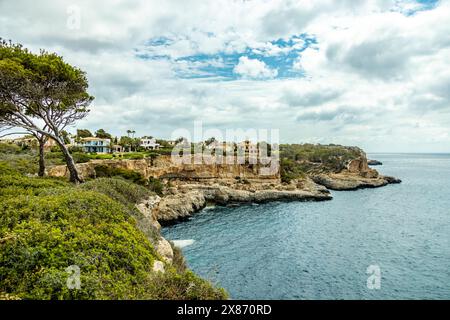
{"points": [[374, 163]]}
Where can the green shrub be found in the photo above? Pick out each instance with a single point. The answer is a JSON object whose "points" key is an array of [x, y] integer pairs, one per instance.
{"points": [[25, 164], [104, 171], [129, 194], [133, 155], [54, 155], [79, 157], [178, 259], [164, 151], [106, 156], [54, 158], [312, 158], [120, 190], [42, 236], [290, 170], [6, 169], [9, 148], [73, 149], [48, 225], [184, 286], [24, 161], [153, 155], [155, 185], [16, 184]]}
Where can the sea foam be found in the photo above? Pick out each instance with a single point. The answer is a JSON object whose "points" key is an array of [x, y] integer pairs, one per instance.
{"points": [[183, 243]]}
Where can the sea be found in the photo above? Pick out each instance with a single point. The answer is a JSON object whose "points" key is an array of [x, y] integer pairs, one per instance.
{"points": [[391, 242]]}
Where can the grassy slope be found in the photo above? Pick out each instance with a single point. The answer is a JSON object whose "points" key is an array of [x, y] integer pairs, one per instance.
{"points": [[48, 224]]}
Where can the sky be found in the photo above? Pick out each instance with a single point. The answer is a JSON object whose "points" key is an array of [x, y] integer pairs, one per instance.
{"points": [[374, 74]]}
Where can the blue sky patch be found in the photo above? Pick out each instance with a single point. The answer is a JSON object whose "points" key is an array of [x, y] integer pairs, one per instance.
{"points": [[279, 55], [411, 7]]}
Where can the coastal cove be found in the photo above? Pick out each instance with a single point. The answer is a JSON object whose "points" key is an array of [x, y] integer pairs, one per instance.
{"points": [[321, 250]]}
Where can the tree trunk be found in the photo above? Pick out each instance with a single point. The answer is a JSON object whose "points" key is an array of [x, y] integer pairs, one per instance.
{"points": [[41, 172], [74, 177]]}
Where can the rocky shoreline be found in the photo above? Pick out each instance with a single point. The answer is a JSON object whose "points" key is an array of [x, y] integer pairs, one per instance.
{"points": [[189, 188], [187, 199]]}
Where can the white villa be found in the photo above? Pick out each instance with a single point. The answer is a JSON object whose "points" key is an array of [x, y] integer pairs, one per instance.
{"points": [[149, 144], [97, 145]]}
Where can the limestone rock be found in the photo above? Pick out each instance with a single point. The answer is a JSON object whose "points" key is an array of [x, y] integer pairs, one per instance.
{"points": [[165, 250], [146, 207], [158, 266], [178, 206], [345, 181], [194, 196]]}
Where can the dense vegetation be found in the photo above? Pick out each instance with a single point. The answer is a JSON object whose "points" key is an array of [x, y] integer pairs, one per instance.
{"points": [[48, 224], [297, 160]]}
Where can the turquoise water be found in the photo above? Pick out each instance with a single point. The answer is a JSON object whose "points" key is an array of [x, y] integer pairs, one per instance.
{"points": [[321, 250]]}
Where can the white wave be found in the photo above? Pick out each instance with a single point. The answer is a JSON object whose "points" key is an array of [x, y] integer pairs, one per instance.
{"points": [[183, 243]]}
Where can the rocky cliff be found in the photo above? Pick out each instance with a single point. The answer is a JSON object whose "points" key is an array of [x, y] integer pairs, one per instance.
{"points": [[356, 175], [187, 199], [164, 168], [192, 186]]}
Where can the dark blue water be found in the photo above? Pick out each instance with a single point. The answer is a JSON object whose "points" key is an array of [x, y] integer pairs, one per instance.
{"points": [[321, 250]]}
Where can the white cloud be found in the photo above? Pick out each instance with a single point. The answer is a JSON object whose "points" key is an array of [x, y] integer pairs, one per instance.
{"points": [[254, 69], [376, 78]]}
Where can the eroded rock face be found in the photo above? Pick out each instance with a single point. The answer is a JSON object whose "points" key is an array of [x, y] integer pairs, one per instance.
{"points": [[360, 167], [357, 175], [163, 167], [146, 207], [194, 196], [162, 246], [180, 205]]}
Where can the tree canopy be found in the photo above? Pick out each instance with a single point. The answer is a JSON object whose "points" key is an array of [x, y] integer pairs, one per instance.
{"points": [[101, 133], [84, 133], [41, 93]]}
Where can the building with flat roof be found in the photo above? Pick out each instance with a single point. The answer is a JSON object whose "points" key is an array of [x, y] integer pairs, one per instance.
{"points": [[95, 145]]}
